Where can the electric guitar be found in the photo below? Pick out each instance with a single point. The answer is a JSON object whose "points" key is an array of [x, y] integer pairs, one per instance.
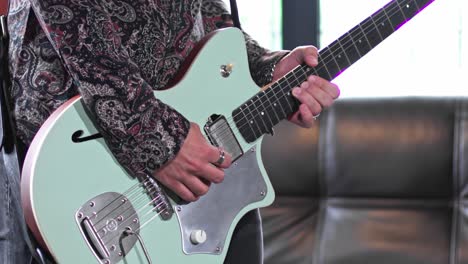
{"points": [[84, 208]]}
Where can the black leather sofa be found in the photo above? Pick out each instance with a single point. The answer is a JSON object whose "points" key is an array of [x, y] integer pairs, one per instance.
{"points": [[376, 181]]}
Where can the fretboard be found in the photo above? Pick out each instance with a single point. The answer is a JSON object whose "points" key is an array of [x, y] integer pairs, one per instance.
{"points": [[258, 115]]}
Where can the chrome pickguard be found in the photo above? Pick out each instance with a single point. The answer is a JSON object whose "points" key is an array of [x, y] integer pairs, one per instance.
{"points": [[205, 224]]}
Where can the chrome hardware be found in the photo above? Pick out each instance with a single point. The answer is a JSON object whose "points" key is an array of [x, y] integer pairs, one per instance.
{"points": [[142, 244], [221, 135], [241, 186], [198, 237], [157, 195], [226, 70], [99, 217]]}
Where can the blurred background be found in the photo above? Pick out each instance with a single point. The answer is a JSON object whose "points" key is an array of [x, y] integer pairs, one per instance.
{"points": [[428, 56]]}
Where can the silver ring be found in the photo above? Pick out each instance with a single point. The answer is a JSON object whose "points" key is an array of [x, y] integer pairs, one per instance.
{"points": [[316, 116], [221, 157]]}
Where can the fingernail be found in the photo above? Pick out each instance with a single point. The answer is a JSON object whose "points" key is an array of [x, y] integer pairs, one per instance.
{"points": [[296, 91]]}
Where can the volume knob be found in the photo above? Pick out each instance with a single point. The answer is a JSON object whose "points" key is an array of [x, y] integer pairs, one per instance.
{"points": [[198, 237]]}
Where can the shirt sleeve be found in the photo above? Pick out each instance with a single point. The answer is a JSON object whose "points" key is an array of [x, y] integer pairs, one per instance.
{"points": [[142, 132], [261, 60]]}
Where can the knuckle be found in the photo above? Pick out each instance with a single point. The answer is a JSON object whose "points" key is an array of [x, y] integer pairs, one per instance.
{"points": [[185, 194], [194, 165], [228, 161], [219, 178], [328, 102], [317, 108], [189, 197], [337, 92], [203, 190]]}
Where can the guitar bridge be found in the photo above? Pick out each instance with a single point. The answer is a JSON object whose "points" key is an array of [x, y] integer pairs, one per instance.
{"points": [[220, 134], [104, 222]]}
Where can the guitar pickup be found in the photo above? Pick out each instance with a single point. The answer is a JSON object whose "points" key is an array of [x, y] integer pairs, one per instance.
{"points": [[220, 134]]}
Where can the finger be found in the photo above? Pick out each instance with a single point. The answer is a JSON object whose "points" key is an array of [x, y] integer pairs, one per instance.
{"points": [[211, 173], [322, 97], [305, 97], [306, 117], [195, 185], [181, 190], [328, 87], [310, 55], [220, 158]]}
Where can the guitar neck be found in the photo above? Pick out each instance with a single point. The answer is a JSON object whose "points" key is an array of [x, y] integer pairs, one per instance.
{"points": [[260, 113]]}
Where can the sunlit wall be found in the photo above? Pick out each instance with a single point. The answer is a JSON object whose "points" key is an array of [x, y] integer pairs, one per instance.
{"points": [[262, 20], [427, 56]]}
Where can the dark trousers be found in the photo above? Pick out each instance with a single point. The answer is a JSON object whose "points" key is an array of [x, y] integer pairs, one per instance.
{"points": [[247, 241]]}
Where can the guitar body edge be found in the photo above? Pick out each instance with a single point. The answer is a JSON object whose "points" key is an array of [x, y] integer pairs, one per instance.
{"points": [[60, 176]]}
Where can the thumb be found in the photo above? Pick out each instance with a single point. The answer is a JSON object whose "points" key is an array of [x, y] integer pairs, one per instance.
{"points": [[309, 55]]}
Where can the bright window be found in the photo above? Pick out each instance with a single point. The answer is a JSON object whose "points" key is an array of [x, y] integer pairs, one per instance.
{"points": [[262, 20], [427, 56]]}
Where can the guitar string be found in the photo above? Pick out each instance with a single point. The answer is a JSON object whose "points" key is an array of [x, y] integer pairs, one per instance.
{"points": [[154, 204], [153, 208], [345, 46], [395, 8], [125, 197]]}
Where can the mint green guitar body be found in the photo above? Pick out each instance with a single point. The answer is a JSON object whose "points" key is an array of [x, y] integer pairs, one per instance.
{"points": [[61, 176]]}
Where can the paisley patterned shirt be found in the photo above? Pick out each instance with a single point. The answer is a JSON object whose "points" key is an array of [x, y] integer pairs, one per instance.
{"points": [[113, 53]]}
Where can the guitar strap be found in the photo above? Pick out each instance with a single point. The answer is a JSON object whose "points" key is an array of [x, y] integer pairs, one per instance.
{"points": [[7, 135], [10, 163], [8, 143], [235, 14]]}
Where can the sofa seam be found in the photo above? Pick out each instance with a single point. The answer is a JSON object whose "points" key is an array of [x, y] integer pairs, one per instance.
{"points": [[457, 171]]}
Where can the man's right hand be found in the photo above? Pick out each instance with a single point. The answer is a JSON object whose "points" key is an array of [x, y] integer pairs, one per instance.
{"points": [[195, 167]]}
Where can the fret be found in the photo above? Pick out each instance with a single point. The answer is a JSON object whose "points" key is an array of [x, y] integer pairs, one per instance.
{"points": [[270, 108], [360, 42], [301, 69], [298, 77], [371, 32], [349, 48], [396, 15], [292, 80], [343, 55], [284, 99], [371, 18], [265, 97], [257, 114], [409, 8], [322, 71], [276, 101], [256, 118], [364, 36], [267, 108], [327, 58], [243, 125], [340, 57], [264, 111], [401, 11], [389, 14], [386, 26], [251, 120]]}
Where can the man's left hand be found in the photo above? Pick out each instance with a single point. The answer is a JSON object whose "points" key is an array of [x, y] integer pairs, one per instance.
{"points": [[315, 93]]}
